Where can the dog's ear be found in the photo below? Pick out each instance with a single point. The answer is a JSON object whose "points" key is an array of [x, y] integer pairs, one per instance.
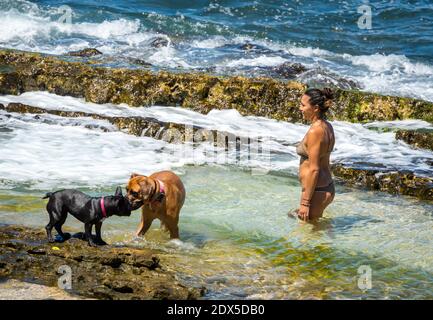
{"points": [[118, 192], [134, 174], [146, 188]]}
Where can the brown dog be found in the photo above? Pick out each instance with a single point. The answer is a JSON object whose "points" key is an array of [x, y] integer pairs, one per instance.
{"points": [[162, 196]]}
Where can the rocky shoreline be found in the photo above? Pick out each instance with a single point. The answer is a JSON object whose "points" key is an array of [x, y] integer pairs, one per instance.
{"points": [[107, 272], [418, 139], [23, 71], [393, 182]]}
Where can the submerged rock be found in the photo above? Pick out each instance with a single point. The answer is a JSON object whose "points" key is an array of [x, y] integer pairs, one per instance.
{"points": [[139, 62], [391, 182], [416, 138], [321, 78], [85, 53], [103, 273], [139, 126], [200, 92], [289, 70], [159, 42]]}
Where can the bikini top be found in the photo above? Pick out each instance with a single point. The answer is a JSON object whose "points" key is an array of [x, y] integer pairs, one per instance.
{"points": [[302, 150]]}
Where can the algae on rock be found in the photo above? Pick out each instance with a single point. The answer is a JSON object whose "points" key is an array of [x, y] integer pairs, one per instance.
{"points": [[200, 92]]}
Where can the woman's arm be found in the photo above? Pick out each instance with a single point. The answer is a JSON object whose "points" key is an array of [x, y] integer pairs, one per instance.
{"points": [[314, 141]]}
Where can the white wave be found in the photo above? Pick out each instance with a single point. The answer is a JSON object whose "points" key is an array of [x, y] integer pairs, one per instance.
{"points": [[210, 43], [261, 61], [39, 30], [45, 156], [386, 63], [400, 124], [356, 144], [309, 52], [32, 29]]}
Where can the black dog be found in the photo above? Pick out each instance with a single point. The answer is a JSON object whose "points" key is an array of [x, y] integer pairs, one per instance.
{"points": [[89, 210]]}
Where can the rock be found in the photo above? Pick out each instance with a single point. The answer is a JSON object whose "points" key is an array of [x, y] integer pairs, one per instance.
{"points": [[101, 273], [248, 46], [200, 92], [257, 49], [139, 62], [159, 42], [139, 126], [391, 182], [289, 70], [321, 78], [418, 139], [85, 53]]}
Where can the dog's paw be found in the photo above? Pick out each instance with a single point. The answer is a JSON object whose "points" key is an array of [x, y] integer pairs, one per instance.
{"points": [[92, 244], [60, 239], [67, 236], [101, 242], [51, 240]]}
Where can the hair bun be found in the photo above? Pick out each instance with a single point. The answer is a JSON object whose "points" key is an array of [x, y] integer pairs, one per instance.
{"points": [[329, 95], [327, 92]]}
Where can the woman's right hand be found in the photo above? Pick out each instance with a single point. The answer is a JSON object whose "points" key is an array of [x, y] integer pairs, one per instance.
{"points": [[304, 212]]}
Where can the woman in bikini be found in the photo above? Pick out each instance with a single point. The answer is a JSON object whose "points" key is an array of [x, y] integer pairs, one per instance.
{"points": [[314, 171]]}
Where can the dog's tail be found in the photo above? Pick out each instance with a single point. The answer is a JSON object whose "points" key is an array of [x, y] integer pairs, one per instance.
{"points": [[47, 195]]}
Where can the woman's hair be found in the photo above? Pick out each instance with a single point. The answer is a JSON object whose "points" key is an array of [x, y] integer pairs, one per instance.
{"points": [[320, 98]]}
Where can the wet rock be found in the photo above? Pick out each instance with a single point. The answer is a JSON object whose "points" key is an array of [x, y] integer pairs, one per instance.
{"points": [[101, 273], [392, 182], [251, 47], [418, 139], [321, 78], [85, 53], [159, 42], [139, 126], [247, 46], [200, 92], [289, 70], [139, 62]]}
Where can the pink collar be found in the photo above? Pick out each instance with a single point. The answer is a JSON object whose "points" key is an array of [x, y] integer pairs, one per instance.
{"points": [[161, 194], [161, 186], [104, 212]]}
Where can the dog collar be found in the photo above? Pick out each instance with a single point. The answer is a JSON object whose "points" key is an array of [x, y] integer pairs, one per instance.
{"points": [[161, 186], [104, 212], [158, 197]]}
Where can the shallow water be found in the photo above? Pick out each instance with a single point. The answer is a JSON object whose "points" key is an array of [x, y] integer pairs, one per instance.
{"points": [[237, 239], [240, 245]]}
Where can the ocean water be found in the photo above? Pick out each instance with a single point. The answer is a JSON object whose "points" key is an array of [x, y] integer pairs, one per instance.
{"points": [[393, 57], [236, 237]]}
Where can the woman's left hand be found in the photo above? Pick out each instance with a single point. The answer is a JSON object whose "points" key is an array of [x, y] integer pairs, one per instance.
{"points": [[304, 212]]}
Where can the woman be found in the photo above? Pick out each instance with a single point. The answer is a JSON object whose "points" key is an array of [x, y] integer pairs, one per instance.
{"points": [[314, 171]]}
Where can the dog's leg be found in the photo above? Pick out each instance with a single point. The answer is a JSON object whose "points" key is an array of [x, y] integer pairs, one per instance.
{"points": [[99, 240], [171, 222], [49, 228], [52, 215], [145, 224], [58, 226], [88, 232], [163, 226]]}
